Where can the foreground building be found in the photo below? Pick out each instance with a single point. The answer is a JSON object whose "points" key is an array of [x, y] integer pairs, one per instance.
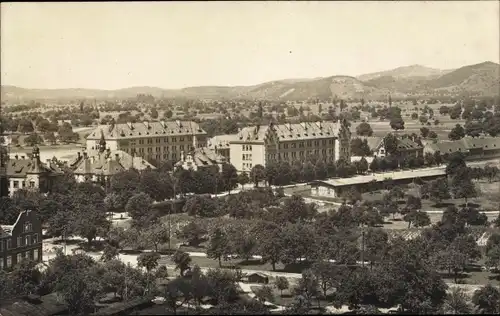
{"points": [[259, 145], [29, 172], [152, 141], [366, 183], [23, 240], [103, 164]]}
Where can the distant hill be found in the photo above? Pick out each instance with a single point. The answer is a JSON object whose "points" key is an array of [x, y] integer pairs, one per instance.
{"points": [[479, 79], [406, 72]]}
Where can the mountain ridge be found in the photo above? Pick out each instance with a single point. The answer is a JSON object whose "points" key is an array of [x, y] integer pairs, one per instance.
{"points": [[479, 79]]}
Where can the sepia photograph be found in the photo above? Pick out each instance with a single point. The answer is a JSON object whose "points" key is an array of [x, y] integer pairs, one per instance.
{"points": [[249, 158]]}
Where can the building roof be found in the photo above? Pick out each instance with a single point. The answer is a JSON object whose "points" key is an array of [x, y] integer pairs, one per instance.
{"points": [[19, 168], [397, 175], [466, 144], [107, 163], [221, 141], [289, 131], [373, 141], [202, 157], [6, 230], [407, 144], [146, 129]]}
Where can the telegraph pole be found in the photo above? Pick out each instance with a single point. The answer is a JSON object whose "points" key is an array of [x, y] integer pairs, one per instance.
{"points": [[363, 248]]}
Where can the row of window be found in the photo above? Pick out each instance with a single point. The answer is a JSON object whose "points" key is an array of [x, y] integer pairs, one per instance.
{"points": [[15, 184], [308, 143], [247, 157], [247, 166], [293, 154], [28, 240], [31, 254], [247, 147]]}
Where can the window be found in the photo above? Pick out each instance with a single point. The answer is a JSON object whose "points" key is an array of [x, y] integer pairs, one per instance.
{"points": [[31, 253], [174, 139], [23, 254], [27, 240], [16, 184], [1, 263], [27, 227], [9, 261], [19, 257], [1, 245], [9, 244], [24, 184], [19, 242], [35, 253], [32, 184]]}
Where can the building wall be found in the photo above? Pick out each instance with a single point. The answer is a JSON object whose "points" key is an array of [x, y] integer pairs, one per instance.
{"points": [[323, 191], [160, 148], [25, 242]]}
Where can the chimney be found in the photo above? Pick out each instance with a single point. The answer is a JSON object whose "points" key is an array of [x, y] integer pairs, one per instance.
{"points": [[304, 125], [147, 124], [79, 155], [117, 157], [162, 122], [85, 155], [178, 123], [129, 124], [289, 126], [16, 156], [22, 157]]}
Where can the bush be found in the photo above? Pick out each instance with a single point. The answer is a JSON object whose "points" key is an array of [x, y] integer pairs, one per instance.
{"points": [[165, 207]]}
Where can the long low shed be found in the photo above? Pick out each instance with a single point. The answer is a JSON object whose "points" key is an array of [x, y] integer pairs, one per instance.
{"points": [[366, 183]]}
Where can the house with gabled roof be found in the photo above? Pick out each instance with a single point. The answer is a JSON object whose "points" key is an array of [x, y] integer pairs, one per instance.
{"points": [[31, 173], [100, 166]]}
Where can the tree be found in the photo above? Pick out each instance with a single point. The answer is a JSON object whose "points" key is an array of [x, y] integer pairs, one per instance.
{"points": [[487, 299], [439, 190], [148, 260], [168, 114], [473, 128], [243, 178], [418, 218], [326, 274], [25, 126], [50, 138], [308, 286], [456, 164], [362, 165], [458, 132], [154, 113], [359, 147], [109, 253], [33, 139], [397, 123], [375, 164], [281, 284], [351, 195], [423, 119], [463, 187], [376, 245], [24, 278], [270, 245], [264, 293], [182, 261], [156, 234], [201, 205], [364, 129], [457, 302], [193, 233], [219, 246], [390, 144], [414, 116], [139, 209], [424, 131], [229, 176], [257, 174], [79, 290], [90, 220]]}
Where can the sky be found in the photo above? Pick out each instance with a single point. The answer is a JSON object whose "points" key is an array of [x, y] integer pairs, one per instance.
{"points": [[115, 45]]}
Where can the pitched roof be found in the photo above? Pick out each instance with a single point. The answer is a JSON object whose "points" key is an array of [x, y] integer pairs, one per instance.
{"points": [[21, 167], [108, 163], [407, 144], [289, 131], [380, 177], [221, 141], [146, 129], [202, 157], [373, 141], [465, 144]]}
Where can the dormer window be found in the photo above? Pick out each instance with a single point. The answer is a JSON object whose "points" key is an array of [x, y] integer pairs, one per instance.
{"points": [[27, 227]]}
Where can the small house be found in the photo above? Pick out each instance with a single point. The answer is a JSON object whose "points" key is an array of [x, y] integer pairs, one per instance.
{"points": [[258, 277]]}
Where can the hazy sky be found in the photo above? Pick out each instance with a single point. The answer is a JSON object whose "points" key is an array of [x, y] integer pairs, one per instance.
{"points": [[172, 45]]}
